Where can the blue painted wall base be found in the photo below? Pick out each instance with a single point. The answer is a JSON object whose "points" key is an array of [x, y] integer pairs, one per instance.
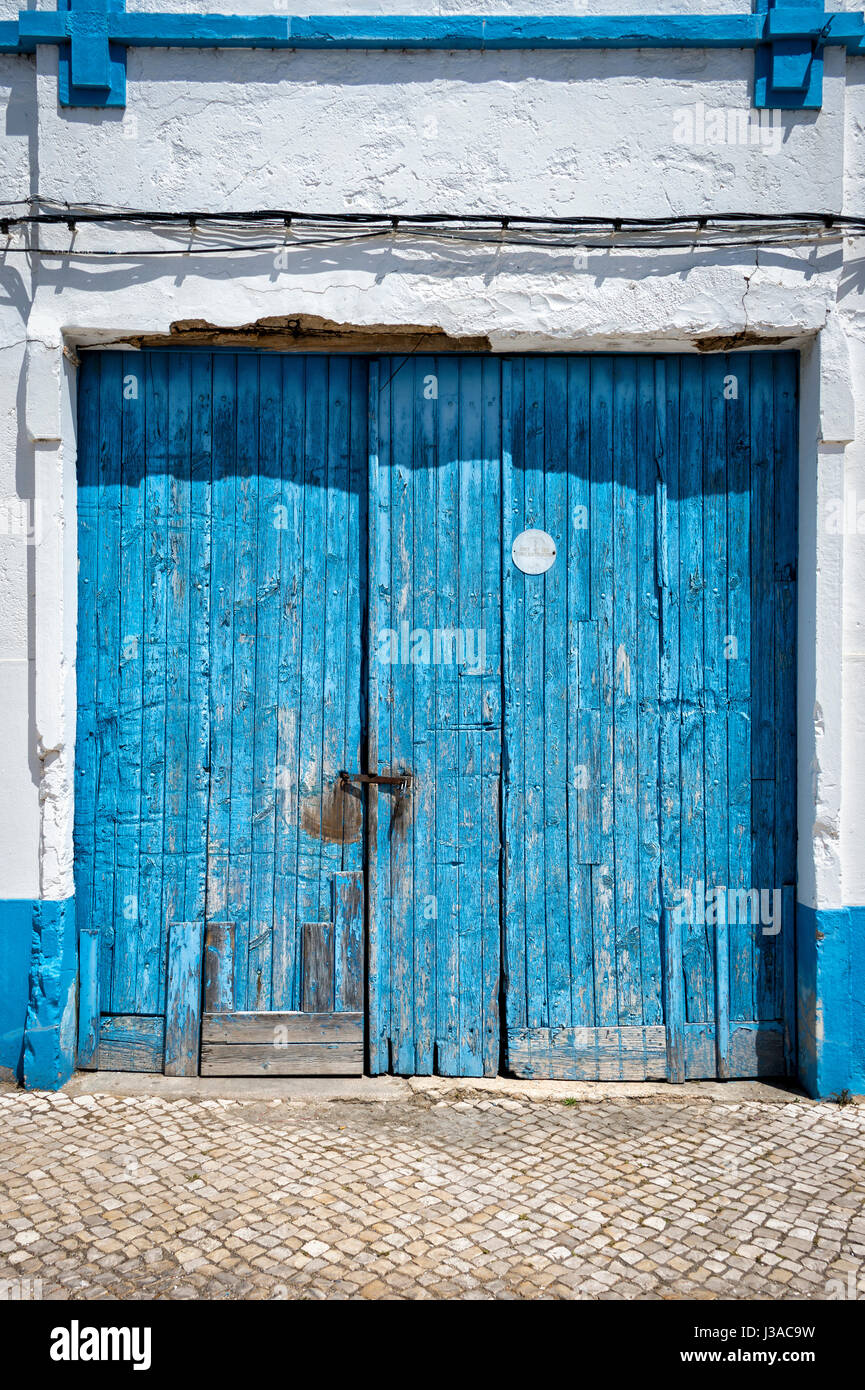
{"points": [[38, 978], [16, 933], [831, 1000], [49, 1031]]}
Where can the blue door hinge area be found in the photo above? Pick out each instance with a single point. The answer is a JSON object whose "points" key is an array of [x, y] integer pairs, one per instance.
{"points": [[788, 69], [788, 38], [92, 69]]}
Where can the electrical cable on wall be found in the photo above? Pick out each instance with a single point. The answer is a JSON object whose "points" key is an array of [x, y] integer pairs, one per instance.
{"points": [[694, 231]]}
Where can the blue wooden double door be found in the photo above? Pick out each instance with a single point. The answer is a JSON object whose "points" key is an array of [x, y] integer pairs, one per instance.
{"points": [[314, 668]]}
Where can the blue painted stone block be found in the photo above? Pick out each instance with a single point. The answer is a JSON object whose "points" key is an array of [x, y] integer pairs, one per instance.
{"points": [[16, 932], [831, 1000], [49, 1036]]}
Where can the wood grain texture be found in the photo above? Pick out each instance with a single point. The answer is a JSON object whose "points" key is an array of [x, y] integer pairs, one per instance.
{"points": [[291, 1059], [131, 1042], [347, 916], [269, 1028], [219, 967], [588, 1054], [183, 998], [318, 967], [674, 994], [754, 1050], [88, 997]]}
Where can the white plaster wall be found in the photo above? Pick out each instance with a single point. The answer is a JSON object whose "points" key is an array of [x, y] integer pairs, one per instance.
{"points": [[536, 132], [539, 132], [851, 301], [19, 766]]}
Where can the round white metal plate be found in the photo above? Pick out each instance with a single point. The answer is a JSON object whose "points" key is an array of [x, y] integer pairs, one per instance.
{"points": [[533, 552]]}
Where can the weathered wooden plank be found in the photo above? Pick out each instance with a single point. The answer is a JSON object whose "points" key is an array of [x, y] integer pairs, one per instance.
{"points": [[378, 539], [88, 995], [150, 966], [424, 482], [183, 998], [755, 1050], [721, 940], [716, 652], [221, 633], [674, 994], [218, 967], [358, 579], [587, 842], [628, 1053], [177, 641], [130, 657], [107, 639], [651, 443], [603, 599], [198, 751], [582, 724], [667, 501], [347, 914], [537, 991], [786, 556], [341, 633], [86, 665], [763, 714], [447, 718], [131, 1042], [311, 905], [318, 967], [273, 1028], [290, 1059], [265, 789], [245, 593], [626, 771], [738, 812], [287, 945], [768, 966], [692, 583], [513, 737], [489, 660], [554, 665], [395, 806], [469, 715], [762, 453]]}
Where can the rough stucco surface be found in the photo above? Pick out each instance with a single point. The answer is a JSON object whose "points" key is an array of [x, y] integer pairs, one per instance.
{"points": [[535, 131], [542, 132]]}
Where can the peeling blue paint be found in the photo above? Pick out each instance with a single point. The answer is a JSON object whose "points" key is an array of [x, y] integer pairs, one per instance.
{"points": [[789, 37], [49, 1035], [831, 1000]]}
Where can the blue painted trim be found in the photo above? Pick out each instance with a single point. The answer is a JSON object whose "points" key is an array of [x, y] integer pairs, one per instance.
{"points": [[92, 71], [831, 1000], [788, 72], [93, 35], [49, 1034]]}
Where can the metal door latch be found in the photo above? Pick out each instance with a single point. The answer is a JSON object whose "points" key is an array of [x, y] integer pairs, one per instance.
{"points": [[402, 779]]}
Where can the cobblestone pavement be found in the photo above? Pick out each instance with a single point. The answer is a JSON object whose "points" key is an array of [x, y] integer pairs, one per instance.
{"points": [[103, 1196]]}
